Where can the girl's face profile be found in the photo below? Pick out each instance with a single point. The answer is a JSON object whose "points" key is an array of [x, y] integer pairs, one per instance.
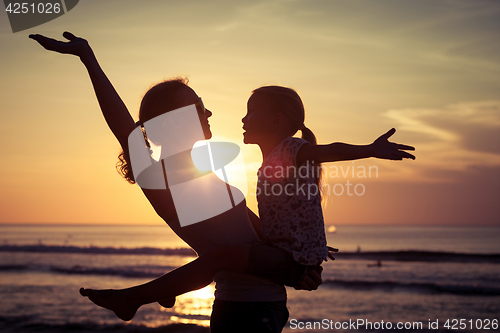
{"points": [[258, 122]]}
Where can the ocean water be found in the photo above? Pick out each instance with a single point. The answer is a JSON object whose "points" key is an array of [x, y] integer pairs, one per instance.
{"points": [[383, 278]]}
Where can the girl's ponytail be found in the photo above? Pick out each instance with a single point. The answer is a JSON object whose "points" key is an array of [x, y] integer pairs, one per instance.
{"points": [[308, 135]]}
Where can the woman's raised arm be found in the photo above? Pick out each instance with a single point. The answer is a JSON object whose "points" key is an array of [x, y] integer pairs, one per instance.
{"points": [[114, 110]]}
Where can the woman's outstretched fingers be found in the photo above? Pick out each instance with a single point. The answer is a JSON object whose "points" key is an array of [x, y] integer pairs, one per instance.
{"points": [[74, 45], [42, 40], [69, 36], [47, 43]]}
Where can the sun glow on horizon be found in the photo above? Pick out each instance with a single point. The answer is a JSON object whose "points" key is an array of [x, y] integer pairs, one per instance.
{"points": [[194, 306]]}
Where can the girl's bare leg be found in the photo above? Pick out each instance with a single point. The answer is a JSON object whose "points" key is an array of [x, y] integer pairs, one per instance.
{"points": [[192, 276]]}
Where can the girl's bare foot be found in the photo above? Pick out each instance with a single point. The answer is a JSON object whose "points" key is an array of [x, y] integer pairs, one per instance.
{"points": [[113, 300], [167, 302]]}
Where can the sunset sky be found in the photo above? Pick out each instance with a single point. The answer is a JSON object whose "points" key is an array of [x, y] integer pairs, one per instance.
{"points": [[430, 68]]}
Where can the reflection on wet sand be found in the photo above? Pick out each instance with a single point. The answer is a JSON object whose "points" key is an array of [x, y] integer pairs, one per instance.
{"points": [[194, 307]]}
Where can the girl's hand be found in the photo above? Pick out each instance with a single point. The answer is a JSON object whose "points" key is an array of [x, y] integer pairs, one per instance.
{"points": [[76, 46], [382, 148], [330, 251]]}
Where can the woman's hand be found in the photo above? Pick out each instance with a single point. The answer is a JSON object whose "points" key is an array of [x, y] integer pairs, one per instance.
{"points": [[114, 110], [312, 280], [382, 148], [76, 46]]}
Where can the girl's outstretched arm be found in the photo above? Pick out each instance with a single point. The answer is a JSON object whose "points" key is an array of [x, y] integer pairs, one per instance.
{"points": [[114, 110], [380, 148]]}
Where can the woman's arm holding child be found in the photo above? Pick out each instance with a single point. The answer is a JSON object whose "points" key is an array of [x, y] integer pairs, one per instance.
{"points": [[257, 225]]}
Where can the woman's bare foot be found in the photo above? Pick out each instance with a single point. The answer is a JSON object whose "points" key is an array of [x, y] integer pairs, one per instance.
{"points": [[113, 300], [167, 302]]}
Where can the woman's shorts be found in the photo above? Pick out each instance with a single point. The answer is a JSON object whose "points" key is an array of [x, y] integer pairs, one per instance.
{"points": [[275, 264], [248, 317]]}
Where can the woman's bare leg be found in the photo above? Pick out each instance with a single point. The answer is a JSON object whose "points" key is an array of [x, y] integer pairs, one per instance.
{"points": [[192, 276], [167, 303]]}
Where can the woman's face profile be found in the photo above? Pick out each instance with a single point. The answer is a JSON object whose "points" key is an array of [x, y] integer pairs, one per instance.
{"points": [[189, 97], [205, 125]]}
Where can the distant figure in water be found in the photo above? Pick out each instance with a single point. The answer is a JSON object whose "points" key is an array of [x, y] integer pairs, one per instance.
{"points": [[378, 264]]}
